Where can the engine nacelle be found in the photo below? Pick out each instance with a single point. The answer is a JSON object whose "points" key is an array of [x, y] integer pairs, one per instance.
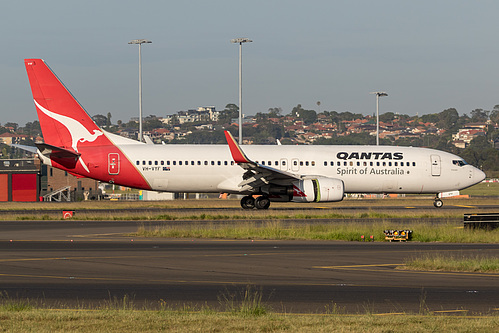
{"points": [[318, 189]]}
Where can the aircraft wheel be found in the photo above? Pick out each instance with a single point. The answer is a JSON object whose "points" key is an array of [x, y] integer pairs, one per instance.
{"points": [[262, 202], [438, 203], [248, 202]]}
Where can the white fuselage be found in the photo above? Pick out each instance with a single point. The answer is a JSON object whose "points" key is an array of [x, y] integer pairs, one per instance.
{"points": [[363, 169]]}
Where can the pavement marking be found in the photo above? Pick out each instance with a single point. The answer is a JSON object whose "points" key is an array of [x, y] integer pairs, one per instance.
{"points": [[450, 311], [356, 266], [464, 206], [136, 256]]}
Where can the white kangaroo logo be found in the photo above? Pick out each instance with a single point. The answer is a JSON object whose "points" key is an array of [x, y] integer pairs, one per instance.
{"points": [[77, 131]]}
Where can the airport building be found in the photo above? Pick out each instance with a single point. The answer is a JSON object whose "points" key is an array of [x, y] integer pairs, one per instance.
{"points": [[28, 180]]}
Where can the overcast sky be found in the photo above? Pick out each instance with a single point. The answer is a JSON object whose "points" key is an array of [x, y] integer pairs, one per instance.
{"points": [[427, 55]]}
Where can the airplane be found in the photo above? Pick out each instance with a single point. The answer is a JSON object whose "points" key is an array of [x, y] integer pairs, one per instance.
{"points": [[261, 173]]}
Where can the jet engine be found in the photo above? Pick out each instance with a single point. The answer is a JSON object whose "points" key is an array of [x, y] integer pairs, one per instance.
{"points": [[309, 190]]}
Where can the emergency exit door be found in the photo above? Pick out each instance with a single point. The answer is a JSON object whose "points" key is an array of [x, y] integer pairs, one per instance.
{"points": [[113, 163]]}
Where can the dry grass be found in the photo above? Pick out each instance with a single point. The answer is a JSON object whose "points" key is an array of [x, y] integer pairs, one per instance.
{"points": [[453, 263], [180, 321], [277, 229]]}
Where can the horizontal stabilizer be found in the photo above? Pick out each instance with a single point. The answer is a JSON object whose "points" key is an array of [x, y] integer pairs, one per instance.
{"points": [[57, 152], [31, 149]]}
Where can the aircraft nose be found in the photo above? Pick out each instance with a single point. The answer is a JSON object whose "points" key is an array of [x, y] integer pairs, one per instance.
{"points": [[478, 175]]}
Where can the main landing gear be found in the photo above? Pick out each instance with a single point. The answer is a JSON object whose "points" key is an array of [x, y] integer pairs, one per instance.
{"points": [[260, 202], [438, 203]]}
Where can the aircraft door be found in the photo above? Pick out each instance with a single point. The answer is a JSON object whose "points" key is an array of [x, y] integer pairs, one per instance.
{"points": [[113, 163], [295, 164], [435, 165]]}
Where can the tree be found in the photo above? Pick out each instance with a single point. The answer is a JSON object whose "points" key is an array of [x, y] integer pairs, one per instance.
{"points": [[275, 112], [100, 120], [308, 116], [108, 122], [231, 111], [387, 117], [494, 114], [152, 122], [447, 119], [13, 125], [479, 116]]}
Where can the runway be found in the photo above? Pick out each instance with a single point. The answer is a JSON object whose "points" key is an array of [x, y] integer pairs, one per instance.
{"points": [[74, 262]]}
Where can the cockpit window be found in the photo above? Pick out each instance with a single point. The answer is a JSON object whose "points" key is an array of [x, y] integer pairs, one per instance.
{"points": [[459, 162]]}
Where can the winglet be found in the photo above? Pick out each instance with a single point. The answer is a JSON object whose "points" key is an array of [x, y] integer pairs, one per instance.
{"points": [[237, 154]]}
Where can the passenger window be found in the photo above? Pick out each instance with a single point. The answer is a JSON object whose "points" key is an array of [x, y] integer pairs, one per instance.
{"points": [[225, 163], [306, 163], [138, 162], [155, 162], [301, 163], [205, 162], [276, 163], [143, 162], [413, 163], [389, 163], [325, 163], [231, 162], [401, 163], [179, 162], [219, 163], [295, 163], [212, 162], [150, 162], [313, 163], [162, 162], [358, 163], [283, 162], [174, 162]]}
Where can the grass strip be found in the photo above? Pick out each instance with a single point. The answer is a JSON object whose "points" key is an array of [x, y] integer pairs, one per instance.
{"points": [[453, 263], [279, 230], [241, 310], [36, 320]]}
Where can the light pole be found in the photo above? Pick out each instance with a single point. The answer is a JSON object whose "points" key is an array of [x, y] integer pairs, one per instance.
{"points": [[240, 41], [140, 42], [378, 94]]}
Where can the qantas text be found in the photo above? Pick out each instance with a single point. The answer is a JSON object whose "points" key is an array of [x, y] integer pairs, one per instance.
{"points": [[369, 156]]}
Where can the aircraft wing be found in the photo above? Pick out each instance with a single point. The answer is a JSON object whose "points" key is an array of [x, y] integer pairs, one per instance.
{"points": [[257, 175]]}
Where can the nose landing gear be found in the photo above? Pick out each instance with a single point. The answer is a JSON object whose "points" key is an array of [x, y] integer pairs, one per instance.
{"points": [[438, 203]]}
